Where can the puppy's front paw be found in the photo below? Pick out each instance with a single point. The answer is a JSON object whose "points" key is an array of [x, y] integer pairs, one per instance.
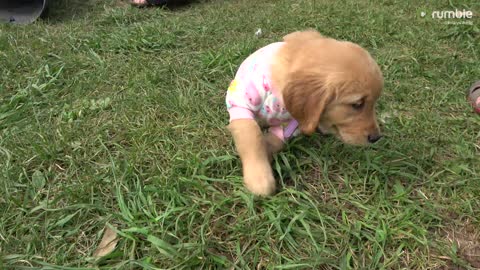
{"points": [[259, 179], [273, 144]]}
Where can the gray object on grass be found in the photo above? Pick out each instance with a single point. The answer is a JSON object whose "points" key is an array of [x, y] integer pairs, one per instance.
{"points": [[21, 11]]}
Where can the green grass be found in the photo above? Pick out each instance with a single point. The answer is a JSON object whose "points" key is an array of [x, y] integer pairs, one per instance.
{"points": [[114, 116]]}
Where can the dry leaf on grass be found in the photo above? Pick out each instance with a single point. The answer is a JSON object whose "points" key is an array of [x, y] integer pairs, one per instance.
{"points": [[108, 243]]}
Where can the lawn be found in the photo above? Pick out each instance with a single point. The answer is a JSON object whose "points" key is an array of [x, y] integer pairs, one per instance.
{"points": [[112, 119]]}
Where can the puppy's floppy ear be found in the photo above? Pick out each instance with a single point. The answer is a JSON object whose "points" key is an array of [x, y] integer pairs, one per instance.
{"points": [[302, 35], [306, 96]]}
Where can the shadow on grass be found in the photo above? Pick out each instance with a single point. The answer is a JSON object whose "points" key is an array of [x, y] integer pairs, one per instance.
{"points": [[64, 10], [175, 5]]}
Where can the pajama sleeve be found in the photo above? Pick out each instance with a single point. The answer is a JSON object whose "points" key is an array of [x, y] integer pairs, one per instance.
{"points": [[242, 100]]}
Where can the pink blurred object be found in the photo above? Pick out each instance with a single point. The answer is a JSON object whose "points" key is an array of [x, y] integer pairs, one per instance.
{"points": [[474, 96]]}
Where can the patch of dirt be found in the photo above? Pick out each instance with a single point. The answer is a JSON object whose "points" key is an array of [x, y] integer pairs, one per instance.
{"points": [[467, 238]]}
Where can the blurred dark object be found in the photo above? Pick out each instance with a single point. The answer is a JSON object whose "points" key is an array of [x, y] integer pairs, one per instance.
{"points": [[22, 11]]}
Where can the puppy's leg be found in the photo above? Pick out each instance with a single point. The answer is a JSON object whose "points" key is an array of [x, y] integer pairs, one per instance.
{"points": [[251, 146], [274, 145]]}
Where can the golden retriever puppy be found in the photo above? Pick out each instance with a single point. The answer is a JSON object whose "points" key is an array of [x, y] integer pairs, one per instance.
{"points": [[305, 83]]}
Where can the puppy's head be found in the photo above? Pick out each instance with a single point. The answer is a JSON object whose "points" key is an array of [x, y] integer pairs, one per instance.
{"points": [[332, 85]]}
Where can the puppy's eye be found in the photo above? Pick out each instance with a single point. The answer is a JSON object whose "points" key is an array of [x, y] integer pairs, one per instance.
{"points": [[358, 105]]}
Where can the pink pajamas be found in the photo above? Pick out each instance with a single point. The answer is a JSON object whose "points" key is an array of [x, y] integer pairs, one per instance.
{"points": [[251, 96]]}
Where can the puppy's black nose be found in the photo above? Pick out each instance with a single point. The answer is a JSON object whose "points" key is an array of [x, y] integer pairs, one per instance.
{"points": [[373, 138]]}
